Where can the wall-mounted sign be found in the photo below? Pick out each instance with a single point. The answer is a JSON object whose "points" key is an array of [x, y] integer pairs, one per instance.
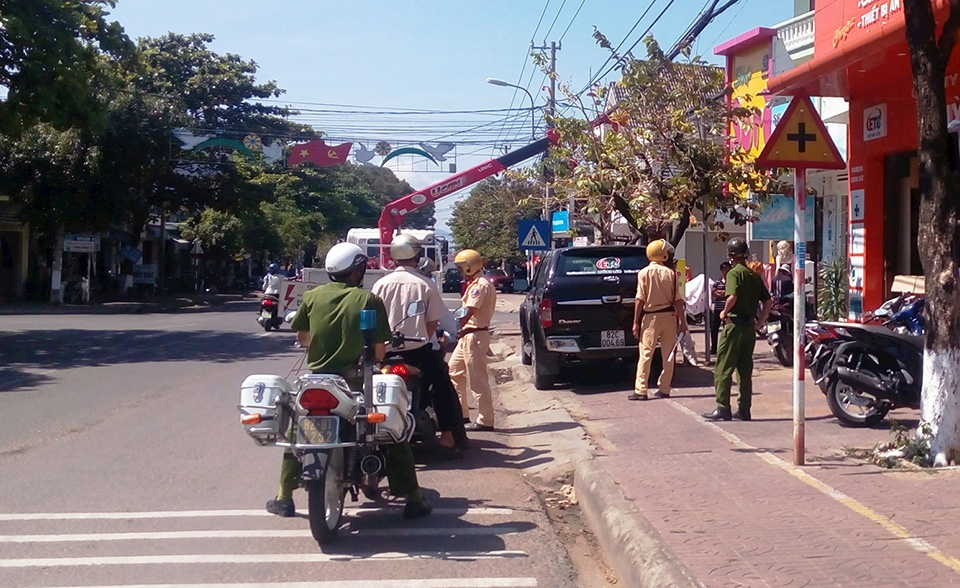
{"points": [[875, 122]]}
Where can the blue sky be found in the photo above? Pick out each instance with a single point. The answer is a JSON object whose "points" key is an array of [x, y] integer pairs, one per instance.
{"points": [[373, 57]]}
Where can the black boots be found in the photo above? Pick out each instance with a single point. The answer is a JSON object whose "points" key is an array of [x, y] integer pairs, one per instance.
{"points": [[720, 414]]}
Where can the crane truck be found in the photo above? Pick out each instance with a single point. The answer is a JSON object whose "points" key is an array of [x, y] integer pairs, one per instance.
{"points": [[376, 242]]}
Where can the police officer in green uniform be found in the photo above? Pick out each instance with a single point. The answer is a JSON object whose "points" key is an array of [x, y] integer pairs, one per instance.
{"points": [[328, 325], [745, 293]]}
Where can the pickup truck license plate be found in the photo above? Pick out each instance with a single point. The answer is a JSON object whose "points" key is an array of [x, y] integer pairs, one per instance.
{"points": [[612, 339], [318, 430]]}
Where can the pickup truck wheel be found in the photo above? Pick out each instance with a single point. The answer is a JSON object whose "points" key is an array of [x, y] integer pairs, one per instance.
{"points": [[543, 379], [525, 346]]}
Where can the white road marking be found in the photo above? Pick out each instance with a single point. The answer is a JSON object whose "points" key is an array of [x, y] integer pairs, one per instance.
{"points": [[250, 558], [421, 583], [186, 514], [252, 534]]}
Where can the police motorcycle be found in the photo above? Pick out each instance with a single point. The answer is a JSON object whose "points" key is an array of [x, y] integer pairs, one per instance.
{"points": [[338, 434]]}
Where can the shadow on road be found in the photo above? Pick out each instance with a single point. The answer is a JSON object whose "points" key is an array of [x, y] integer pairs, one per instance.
{"points": [[72, 348]]}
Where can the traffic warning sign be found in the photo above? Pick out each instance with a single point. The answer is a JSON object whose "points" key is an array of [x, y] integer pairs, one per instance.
{"points": [[800, 140], [532, 235]]}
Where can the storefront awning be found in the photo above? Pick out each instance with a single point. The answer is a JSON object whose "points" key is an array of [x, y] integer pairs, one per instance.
{"points": [[825, 74]]}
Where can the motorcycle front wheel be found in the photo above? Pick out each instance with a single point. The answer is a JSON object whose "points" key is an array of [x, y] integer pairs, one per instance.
{"points": [[325, 498], [853, 408], [784, 355]]}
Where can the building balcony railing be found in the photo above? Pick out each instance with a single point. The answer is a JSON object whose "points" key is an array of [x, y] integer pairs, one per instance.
{"points": [[797, 35]]}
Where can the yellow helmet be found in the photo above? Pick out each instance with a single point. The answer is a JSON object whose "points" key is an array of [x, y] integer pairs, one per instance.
{"points": [[659, 250], [468, 262]]}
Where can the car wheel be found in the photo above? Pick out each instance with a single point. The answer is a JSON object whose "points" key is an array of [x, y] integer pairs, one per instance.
{"points": [[543, 376]]}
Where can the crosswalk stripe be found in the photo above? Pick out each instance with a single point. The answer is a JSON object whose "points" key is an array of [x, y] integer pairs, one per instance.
{"points": [[178, 514], [419, 583], [252, 534], [278, 558]]}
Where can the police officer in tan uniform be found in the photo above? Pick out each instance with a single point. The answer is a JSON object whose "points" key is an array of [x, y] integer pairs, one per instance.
{"points": [[468, 363], [658, 316]]}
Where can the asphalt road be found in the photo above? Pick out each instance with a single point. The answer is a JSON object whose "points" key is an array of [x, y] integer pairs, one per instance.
{"points": [[122, 463]]}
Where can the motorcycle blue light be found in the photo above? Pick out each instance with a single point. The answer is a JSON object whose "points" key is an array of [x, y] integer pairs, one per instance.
{"points": [[368, 320]]}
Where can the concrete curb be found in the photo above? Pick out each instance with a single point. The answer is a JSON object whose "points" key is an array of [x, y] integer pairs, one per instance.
{"points": [[634, 548]]}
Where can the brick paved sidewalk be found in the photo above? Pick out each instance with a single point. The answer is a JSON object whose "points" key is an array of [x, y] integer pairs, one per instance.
{"points": [[728, 501]]}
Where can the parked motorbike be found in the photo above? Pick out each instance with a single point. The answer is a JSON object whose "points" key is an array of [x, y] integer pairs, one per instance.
{"points": [[269, 317], [337, 433], [866, 370], [779, 328], [909, 319]]}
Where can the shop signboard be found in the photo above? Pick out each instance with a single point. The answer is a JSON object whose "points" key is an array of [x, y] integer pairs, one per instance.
{"points": [[145, 274], [131, 253], [81, 242], [776, 220]]}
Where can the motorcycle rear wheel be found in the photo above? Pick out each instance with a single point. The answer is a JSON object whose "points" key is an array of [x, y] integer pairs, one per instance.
{"points": [[325, 498], [853, 408]]}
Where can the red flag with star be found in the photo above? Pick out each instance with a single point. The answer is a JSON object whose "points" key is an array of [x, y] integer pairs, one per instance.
{"points": [[318, 153]]}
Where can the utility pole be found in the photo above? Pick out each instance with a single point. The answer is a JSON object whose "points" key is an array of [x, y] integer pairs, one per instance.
{"points": [[551, 108]]}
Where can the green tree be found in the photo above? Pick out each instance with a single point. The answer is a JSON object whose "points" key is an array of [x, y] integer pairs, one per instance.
{"points": [[487, 220], [49, 53], [939, 236], [663, 149], [219, 233]]}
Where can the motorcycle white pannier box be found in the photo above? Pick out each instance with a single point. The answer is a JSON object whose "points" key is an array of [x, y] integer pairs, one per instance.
{"points": [[258, 395], [391, 397]]}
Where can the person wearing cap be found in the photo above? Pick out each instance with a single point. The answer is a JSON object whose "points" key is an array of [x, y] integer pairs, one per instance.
{"points": [[468, 363], [658, 316], [328, 326], [398, 289], [745, 293]]}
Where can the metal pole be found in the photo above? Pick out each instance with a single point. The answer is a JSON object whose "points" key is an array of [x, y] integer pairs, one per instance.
{"points": [[799, 309], [708, 313]]}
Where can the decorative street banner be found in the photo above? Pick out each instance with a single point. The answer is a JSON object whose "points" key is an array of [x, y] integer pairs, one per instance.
{"points": [[318, 153]]}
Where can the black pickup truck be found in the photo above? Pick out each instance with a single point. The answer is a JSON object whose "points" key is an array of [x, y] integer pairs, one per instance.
{"points": [[580, 306]]}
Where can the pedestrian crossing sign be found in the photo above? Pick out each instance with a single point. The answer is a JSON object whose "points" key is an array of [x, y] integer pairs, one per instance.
{"points": [[533, 235]]}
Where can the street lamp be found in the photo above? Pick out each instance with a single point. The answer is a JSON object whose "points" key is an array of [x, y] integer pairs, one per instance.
{"points": [[533, 124]]}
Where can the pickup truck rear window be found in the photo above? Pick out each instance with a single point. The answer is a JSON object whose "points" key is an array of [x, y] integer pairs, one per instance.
{"points": [[575, 263]]}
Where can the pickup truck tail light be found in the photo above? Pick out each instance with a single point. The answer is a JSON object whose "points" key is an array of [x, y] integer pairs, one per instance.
{"points": [[546, 313]]}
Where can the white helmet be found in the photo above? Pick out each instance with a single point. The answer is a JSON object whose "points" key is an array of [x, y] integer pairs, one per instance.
{"points": [[344, 258], [405, 247]]}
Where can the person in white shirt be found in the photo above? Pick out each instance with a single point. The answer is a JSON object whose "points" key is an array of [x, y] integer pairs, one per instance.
{"points": [[271, 281], [398, 290]]}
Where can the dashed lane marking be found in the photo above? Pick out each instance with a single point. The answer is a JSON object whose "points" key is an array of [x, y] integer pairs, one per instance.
{"points": [[184, 514], [258, 558], [253, 534], [917, 543], [420, 583]]}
